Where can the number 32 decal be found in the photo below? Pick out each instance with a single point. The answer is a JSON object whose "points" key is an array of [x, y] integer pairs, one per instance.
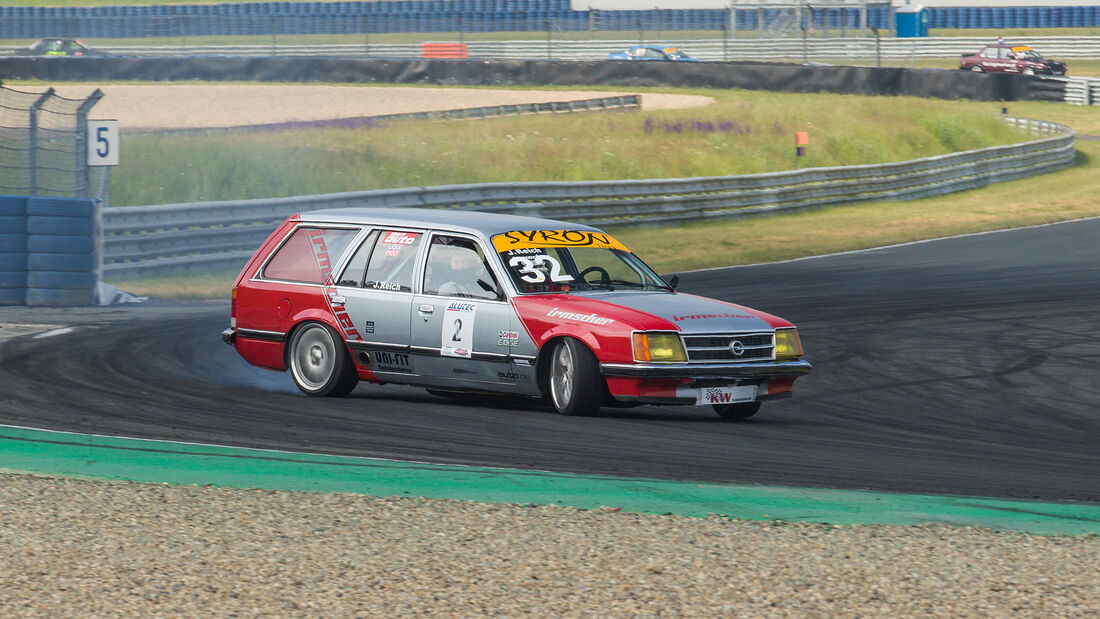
{"points": [[529, 271]]}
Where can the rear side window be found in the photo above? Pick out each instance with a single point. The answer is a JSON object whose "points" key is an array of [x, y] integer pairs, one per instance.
{"points": [[353, 273], [392, 261], [309, 254]]}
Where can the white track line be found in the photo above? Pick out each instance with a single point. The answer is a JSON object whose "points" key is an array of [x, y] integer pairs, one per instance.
{"points": [[881, 247]]}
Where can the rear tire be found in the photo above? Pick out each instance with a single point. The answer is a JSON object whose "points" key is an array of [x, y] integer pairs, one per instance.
{"points": [[574, 373], [736, 412], [319, 362], [977, 68]]}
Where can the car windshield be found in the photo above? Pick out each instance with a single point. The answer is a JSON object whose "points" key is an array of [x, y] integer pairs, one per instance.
{"points": [[564, 261], [1028, 54], [675, 54]]}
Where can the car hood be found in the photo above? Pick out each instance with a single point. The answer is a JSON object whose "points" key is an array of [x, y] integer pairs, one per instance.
{"points": [[687, 313]]}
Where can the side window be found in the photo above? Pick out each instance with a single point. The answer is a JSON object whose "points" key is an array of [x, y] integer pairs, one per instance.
{"points": [[353, 273], [392, 261], [457, 268], [308, 255]]}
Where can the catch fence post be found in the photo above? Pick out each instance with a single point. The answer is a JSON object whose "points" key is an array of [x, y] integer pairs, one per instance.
{"points": [[33, 139]]}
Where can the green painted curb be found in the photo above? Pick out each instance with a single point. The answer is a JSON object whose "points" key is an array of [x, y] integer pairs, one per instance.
{"points": [[184, 463]]}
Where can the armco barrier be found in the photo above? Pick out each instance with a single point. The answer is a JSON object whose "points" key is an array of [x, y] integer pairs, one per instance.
{"points": [[48, 252], [150, 240]]}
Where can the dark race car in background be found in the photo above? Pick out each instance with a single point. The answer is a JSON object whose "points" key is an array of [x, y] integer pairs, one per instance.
{"points": [[652, 52], [1005, 58], [55, 46]]}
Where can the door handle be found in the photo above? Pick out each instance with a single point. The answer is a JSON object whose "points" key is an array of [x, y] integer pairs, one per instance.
{"points": [[426, 309], [337, 299]]}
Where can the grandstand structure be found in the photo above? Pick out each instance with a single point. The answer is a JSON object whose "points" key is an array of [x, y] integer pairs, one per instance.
{"points": [[476, 16]]}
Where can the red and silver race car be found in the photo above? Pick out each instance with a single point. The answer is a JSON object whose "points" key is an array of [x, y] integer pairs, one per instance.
{"points": [[460, 302], [1004, 58]]}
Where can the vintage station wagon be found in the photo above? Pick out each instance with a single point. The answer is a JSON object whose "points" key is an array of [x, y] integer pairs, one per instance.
{"points": [[467, 302]]}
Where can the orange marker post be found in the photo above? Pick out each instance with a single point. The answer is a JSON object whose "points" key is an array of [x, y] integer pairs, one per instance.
{"points": [[801, 139]]}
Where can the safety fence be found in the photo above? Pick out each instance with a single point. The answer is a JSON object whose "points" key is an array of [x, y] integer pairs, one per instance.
{"points": [[869, 49], [426, 16], [48, 251], [145, 241], [43, 143]]}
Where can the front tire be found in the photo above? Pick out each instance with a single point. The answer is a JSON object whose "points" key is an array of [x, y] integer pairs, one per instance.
{"points": [[1029, 71], [736, 412], [575, 384], [319, 362]]}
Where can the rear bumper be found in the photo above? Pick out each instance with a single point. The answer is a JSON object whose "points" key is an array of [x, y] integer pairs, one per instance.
{"points": [[229, 336], [724, 371]]}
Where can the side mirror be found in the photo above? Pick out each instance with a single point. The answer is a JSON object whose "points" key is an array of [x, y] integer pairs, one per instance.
{"points": [[673, 281]]}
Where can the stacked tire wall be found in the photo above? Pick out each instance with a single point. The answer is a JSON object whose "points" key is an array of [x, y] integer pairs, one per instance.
{"points": [[47, 251]]}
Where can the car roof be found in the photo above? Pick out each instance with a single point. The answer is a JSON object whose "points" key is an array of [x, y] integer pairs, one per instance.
{"points": [[471, 222]]}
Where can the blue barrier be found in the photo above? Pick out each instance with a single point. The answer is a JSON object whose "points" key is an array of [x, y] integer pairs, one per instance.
{"points": [[263, 18], [47, 251]]}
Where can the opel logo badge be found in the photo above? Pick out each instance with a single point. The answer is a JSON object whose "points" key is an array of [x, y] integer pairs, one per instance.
{"points": [[737, 348]]}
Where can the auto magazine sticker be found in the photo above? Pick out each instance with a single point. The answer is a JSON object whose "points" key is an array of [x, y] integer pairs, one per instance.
{"points": [[527, 239], [458, 329], [397, 241]]}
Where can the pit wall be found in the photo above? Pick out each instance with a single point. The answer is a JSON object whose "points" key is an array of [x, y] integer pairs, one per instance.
{"points": [[47, 251]]}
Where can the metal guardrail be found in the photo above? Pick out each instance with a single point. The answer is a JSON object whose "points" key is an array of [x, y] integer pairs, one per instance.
{"points": [[1082, 91], [618, 102], [151, 240], [705, 49]]}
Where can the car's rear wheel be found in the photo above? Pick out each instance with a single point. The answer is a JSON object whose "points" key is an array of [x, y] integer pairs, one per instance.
{"points": [[977, 68], [736, 412], [319, 362], [575, 387]]}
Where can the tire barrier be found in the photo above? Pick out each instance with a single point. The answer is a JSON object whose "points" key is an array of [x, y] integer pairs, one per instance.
{"points": [[779, 77], [13, 250], [47, 251]]}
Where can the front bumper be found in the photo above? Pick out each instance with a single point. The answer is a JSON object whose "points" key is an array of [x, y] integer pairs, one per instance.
{"points": [[715, 371]]}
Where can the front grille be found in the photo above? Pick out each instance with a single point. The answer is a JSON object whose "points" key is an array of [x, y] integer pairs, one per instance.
{"points": [[716, 347]]}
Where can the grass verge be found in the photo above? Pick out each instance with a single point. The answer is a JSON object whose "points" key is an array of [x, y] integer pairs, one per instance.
{"points": [[1068, 194], [742, 132]]}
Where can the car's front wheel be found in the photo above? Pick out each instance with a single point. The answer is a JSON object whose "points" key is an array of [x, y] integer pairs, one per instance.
{"points": [[736, 412], [575, 387], [1029, 71], [977, 68], [319, 362]]}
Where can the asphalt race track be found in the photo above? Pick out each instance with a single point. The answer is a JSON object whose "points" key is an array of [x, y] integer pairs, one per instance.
{"points": [[958, 366]]}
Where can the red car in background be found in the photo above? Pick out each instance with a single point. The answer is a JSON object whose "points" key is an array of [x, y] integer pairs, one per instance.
{"points": [[1005, 58]]}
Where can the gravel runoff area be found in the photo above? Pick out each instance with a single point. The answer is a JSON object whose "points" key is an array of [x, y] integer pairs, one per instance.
{"points": [[75, 547], [188, 106]]}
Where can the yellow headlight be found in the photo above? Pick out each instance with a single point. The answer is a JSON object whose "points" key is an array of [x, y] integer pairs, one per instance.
{"points": [[665, 347], [787, 344]]}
